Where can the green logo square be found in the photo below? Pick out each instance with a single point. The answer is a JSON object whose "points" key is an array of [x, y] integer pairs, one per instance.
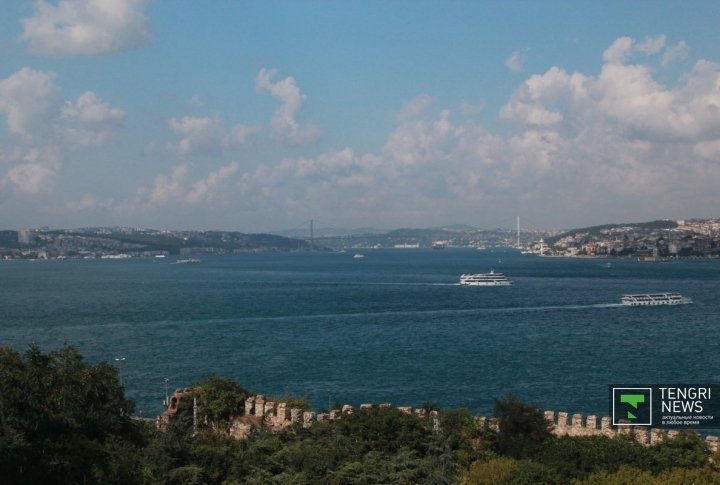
{"points": [[631, 406]]}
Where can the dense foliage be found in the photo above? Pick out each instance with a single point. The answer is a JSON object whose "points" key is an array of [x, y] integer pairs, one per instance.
{"points": [[63, 420]]}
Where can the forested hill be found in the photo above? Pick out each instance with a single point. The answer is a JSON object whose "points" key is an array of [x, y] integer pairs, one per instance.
{"points": [[95, 242]]}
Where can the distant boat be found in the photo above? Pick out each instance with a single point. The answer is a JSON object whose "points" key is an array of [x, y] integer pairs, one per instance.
{"points": [[407, 246], [485, 279], [653, 299], [359, 256], [187, 261], [438, 245]]}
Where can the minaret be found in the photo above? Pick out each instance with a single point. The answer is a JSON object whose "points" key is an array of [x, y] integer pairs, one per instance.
{"points": [[312, 236]]}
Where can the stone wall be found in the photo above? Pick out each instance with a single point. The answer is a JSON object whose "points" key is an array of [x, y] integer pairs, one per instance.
{"points": [[276, 416], [172, 407], [259, 412], [564, 424]]}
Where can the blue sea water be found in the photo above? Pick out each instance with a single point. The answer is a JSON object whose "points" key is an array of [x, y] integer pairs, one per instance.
{"points": [[392, 327]]}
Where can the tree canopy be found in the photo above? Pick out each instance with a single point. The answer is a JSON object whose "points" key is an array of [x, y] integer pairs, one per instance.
{"points": [[63, 420]]}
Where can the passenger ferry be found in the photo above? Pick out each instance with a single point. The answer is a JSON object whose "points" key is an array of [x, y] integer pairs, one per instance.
{"points": [[653, 299], [485, 279]]}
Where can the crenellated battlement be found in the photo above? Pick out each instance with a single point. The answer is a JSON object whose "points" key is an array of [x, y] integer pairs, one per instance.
{"points": [[276, 416], [580, 425]]}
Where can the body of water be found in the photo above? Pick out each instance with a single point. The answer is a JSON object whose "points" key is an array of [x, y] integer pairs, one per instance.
{"points": [[391, 327]]}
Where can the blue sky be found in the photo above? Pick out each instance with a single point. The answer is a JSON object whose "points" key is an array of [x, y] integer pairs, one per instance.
{"points": [[258, 115]]}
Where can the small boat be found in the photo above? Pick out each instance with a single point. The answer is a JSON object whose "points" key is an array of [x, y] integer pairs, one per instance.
{"points": [[654, 299], [359, 256], [187, 261]]}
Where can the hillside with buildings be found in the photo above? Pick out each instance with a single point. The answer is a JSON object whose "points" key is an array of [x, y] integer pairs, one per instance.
{"points": [[131, 242], [654, 240], [649, 240]]}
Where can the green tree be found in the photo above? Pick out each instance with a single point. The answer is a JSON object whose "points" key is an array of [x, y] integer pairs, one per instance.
{"points": [[522, 427], [63, 420], [494, 471], [220, 399], [579, 456], [686, 450]]}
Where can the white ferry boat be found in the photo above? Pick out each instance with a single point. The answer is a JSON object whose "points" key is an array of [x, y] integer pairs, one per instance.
{"points": [[187, 261], [485, 279], [653, 299]]}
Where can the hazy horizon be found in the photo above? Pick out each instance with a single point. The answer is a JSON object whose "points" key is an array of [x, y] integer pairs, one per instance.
{"points": [[256, 116]]}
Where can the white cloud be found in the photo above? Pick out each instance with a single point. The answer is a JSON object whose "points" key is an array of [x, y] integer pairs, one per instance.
{"points": [[195, 102], [675, 52], [199, 135], [207, 189], [651, 45], [30, 100], [709, 150], [588, 146], [166, 188], [89, 121], [36, 172], [618, 51], [86, 26], [619, 135], [534, 102], [43, 126], [206, 136], [415, 107], [623, 47], [515, 62], [179, 190], [284, 125], [467, 108], [633, 99], [596, 144]]}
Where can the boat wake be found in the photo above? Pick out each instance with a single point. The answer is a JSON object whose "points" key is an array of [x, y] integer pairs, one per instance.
{"points": [[397, 313]]}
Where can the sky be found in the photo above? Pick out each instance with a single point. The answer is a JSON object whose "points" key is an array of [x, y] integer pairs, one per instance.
{"points": [[260, 115]]}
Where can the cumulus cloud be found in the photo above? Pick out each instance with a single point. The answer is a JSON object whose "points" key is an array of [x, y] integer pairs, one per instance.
{"points": [[30, 100], [625, 47], [591, 142], [36, 171], [42, 126], [208, 188], [284, 125], [178, 188], [651, 45], [590, 145], [206, 136], [198, 135], [675, 52], [89, 121], [87, 27], [515, 62], [621, 133], [166, 188]]}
